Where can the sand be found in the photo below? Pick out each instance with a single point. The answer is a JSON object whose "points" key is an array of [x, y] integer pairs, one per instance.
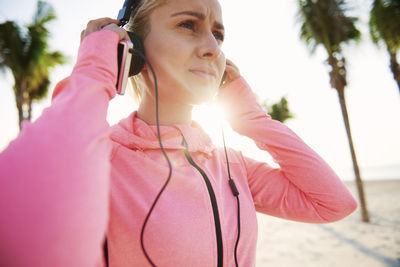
{"points": [[348, 242]]}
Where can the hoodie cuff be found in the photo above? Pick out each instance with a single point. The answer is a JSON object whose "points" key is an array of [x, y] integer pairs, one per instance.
{"points": [[97, 60], [240, 103]]}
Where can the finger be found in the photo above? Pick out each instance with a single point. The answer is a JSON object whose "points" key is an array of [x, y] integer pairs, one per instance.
{"points": [[229, 62], [107, 21], [230, 66], [82, 35], [101, 22], [98, 24], [123, 35], [231, 70]]}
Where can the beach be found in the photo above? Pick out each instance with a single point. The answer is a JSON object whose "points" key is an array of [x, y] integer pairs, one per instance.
{"points": [[348, 242]]}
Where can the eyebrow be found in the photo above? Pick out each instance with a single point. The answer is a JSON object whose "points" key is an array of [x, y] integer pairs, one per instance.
{"points": [[200, 16]]}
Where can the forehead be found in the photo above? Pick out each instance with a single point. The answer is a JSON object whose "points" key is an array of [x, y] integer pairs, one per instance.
{"points": [[210, 8]]}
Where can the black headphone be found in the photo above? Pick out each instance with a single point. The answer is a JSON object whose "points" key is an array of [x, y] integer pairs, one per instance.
{"points": [[129, 9]]}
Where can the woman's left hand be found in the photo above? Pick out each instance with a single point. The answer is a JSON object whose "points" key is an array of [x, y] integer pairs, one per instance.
{"points": [[236, 99], [232, 73]]}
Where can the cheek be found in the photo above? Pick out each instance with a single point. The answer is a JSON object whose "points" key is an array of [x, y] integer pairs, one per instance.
{"points": [[166, 55], [162, 46]]}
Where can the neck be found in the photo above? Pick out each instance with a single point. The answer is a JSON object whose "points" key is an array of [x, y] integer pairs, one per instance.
{"points": [[169, 112]]}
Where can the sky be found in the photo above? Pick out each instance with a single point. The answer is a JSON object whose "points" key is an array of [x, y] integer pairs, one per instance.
{"points": [[262, 39]]}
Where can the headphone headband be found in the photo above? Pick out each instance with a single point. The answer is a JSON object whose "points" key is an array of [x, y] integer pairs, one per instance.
{"points": [[130, 7]]}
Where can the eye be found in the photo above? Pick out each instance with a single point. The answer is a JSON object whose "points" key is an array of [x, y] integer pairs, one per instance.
{"points": [[219, 36], [188, 24]]}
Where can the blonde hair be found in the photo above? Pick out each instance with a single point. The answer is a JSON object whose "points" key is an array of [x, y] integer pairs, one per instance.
{"points": [[139, 24]]}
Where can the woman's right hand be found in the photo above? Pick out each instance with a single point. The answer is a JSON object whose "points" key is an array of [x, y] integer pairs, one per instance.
{"points": [[105, 24]]}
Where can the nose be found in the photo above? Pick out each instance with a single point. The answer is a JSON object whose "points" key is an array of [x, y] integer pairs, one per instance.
{"points": [[209, 48]]}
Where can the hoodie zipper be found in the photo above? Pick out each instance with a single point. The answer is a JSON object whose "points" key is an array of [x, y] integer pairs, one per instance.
{"points": [[213, 203]]}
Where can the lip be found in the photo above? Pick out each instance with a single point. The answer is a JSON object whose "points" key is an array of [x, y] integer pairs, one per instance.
{"points": [[208, 74]]}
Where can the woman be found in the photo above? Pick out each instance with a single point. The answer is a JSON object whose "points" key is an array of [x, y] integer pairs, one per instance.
{"points": [[72, 161]]}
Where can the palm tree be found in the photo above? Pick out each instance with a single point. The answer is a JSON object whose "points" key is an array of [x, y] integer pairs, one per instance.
{"points": [[278, 111], [25, 53], [384, 27], [324, 23]]}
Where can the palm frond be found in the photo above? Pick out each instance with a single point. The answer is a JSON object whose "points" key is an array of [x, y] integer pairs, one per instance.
{"points": [[385, 23], [325, 23], [44, 13], [27, 55], [12, 44], [41, 90], [38, 33]]}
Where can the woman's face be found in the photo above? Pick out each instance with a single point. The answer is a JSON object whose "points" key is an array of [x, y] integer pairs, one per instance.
{"points": [[184, 48]]}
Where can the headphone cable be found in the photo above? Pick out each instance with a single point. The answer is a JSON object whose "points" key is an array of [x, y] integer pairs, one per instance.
{"points": [[132, 50], [235, 192]]}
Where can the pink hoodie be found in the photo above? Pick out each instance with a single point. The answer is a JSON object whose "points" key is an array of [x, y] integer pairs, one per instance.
{"points": [[55, 180]]}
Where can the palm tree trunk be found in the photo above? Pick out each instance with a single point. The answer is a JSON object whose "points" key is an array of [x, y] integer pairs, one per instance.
{"points": [[19, 101], [360, 187], [20, 114], [29, 104], [395, 68]]}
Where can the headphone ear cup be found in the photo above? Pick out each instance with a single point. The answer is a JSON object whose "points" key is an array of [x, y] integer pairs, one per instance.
{"points": [[137, 62]]}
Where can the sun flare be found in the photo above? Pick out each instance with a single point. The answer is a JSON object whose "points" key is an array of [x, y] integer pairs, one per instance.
{"points": [[210, 116]]}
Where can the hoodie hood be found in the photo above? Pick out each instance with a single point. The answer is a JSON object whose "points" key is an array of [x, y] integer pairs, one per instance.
{"points": [[134, 133]]}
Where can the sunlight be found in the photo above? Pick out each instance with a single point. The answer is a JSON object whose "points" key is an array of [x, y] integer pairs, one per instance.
{"points": [[210, 116]]}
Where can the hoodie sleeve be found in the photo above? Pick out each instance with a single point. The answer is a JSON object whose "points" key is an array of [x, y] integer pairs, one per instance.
{"points": [[54, 176], [304, 188]]}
